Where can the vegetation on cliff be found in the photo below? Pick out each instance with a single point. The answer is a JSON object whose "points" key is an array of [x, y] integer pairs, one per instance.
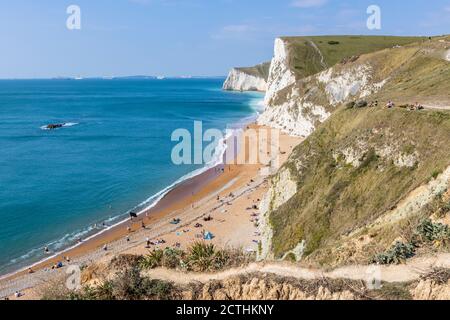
{"points": [[310, 55], [354, 168], [260, 70]]}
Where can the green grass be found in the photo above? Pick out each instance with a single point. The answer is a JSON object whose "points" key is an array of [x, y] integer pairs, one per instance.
{"points": [[333, 197], [423, 79], [200, 257], [260, 70], [306, 60]]}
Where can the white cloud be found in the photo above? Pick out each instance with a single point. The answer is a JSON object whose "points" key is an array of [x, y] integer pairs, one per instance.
{"points": [[239, 28], [308, 3], [234, 31]]}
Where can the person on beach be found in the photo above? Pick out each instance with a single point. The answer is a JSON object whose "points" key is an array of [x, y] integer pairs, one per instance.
{"points": [[128, 239], [143, 224], [128, 229], [133, 215], [148, 243], [105, 248]]}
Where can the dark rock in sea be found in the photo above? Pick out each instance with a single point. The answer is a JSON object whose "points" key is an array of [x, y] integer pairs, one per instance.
{"points": [[54, 126]]}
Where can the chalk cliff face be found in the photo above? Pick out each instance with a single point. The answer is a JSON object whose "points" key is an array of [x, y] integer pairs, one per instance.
{"points": [[248, 79], [297, 106], [283, 187], [280, 74], [239, 80]]}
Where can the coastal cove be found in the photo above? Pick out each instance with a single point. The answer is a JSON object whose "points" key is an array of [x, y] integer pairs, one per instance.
{"points": [[112, 156], [302, 213]]}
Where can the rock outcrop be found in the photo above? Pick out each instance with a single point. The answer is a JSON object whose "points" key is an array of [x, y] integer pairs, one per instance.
{"points": [[267, 287], [272, 287], [248, 79], [296, 106], [283, 187], [281, 74], [430, 290]]}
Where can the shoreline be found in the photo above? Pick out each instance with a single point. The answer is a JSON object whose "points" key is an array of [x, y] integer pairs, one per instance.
{"points": [[154, 203], [160, 204], [191, 200], [185, 186]]}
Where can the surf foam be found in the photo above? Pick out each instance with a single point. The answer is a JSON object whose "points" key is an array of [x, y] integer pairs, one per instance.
{"points": [[65, 125]]}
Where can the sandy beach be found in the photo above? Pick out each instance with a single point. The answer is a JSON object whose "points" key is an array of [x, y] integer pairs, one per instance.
{"points": [[228, 194]]}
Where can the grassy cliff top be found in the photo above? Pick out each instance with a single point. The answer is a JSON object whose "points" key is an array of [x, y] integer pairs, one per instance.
{"points": [[260, 70], [310, 55]]}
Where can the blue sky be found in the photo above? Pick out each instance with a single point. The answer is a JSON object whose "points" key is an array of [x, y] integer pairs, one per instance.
{"points": [[184, 37]]}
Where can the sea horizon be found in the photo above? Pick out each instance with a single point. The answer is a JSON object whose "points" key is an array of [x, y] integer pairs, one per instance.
{"points": [[124, 77]]}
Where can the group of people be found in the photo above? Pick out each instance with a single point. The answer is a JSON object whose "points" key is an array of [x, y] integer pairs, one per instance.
{"points": [[153, 242], [390, 104], [219, 169], [415, 107], [410, 107]]}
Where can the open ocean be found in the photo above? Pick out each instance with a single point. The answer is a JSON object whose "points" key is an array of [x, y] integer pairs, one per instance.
{"points": [[112, 156]]}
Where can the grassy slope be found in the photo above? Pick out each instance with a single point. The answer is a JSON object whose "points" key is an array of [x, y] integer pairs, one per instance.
{"points": [[424, 78], [307, 61], [334, 198]]}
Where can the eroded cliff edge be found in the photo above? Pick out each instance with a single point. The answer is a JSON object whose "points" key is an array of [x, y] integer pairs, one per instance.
{"points": [[248, 79]]}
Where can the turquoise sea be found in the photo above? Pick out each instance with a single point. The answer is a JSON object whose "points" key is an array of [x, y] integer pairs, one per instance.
{"points": [[113, 154]]}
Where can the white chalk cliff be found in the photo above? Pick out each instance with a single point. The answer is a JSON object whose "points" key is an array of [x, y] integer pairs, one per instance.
{"points": [[280, 73], [297, 106], [239, 80]]}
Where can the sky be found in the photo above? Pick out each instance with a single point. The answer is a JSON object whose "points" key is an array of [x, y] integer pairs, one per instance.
{"points": [[184, 37]]}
